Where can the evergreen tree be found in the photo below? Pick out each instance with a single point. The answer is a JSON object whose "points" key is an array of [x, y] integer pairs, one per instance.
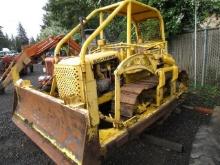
{"points": [[53, 30], [4, 40], [1, 39], [32, 40], [178, 15], [18, 44], [22, 34], [13, 43], [21, 38]]}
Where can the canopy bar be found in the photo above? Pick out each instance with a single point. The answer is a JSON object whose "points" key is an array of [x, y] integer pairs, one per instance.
{"points": [[139, 12]]}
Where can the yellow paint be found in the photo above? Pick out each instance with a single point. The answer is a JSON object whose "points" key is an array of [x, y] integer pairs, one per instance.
{"points": [[101, 18], [105, 98], [129, 28], [15, 74]]}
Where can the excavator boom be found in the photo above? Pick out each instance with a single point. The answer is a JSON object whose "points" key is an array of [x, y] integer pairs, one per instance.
{"points": [[35, 50]]}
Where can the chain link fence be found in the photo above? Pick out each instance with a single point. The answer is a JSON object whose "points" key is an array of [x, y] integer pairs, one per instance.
{"points": [[208, 55]]}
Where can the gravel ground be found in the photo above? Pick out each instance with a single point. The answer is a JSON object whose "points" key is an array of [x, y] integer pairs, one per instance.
{"points": [[206, 145], [16, 148]]}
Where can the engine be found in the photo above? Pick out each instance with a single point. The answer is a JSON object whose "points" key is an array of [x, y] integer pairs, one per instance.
{"points": [[104, 75]]}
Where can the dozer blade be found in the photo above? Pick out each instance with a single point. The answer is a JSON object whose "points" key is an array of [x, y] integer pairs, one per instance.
{"points": [[60, 131]]}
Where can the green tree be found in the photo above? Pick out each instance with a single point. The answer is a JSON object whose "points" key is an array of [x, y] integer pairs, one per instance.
{"points": [[22, 35], [4, 40], [178, 15], [32, 40], [21, 38], [2, 37], [12, 43], [63, 15], [53, 29], [65, 12], [18, 44]]}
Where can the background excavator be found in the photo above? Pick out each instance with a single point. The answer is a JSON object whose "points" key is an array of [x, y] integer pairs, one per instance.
{"points": [[31, 54], [106, 95]]}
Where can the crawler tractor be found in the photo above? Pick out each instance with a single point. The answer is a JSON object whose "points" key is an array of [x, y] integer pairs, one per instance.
{"points": [[107, 94]]}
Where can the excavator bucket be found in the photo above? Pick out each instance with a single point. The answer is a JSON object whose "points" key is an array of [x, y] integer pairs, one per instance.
{"points": [[61, 132]]}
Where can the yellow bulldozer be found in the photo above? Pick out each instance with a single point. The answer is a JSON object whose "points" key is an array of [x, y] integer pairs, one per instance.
{"points": [[107, 94]]}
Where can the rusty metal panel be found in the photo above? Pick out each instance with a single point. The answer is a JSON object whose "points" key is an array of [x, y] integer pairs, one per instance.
{"points": [[127, 97], [66, 128], [133, 88], [43, 143], [129, 94], [127, 110], [137, 88]]}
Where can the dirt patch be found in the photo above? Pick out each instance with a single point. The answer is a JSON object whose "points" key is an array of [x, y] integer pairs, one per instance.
{"points": [[15, 147], [180, 128]]}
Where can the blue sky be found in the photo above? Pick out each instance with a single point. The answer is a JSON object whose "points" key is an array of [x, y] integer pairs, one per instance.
{"points": [[28, 12]]}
